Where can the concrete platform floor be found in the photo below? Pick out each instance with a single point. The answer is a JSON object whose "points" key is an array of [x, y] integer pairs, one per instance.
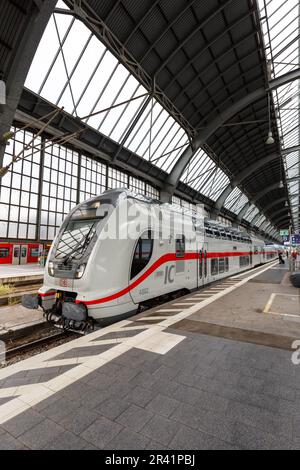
{"points": [[15, 317], [10, 271], [147, 383]]}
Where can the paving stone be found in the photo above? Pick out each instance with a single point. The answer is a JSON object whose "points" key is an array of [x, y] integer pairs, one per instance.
{"points": [[101, 381], [22, 422], [59, 409], [134, 417], [160, 429], [165, 387], [152, 445], [186, 394], [128, 440], [188, 439], [79, 420], [252, 438], [112, 408], [67, 441], [8, 442], [165, 373], [281, 391], [188, 415], [209, 401], [139, 396], [101, 432], [260, 418], [144, 379], [162, 405], [42, 434]]}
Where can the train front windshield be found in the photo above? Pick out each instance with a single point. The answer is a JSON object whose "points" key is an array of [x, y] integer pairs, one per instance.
{"points": [[79, 231]]}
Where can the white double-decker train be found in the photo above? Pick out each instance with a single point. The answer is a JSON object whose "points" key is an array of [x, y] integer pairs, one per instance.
{"points": [[119, 250]]}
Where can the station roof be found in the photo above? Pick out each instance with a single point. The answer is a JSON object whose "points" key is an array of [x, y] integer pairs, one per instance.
{"points": [[184, 64]]}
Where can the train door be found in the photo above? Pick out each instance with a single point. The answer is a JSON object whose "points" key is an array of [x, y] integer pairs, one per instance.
{"points": [[16, 254], [24, 254], [202, 269], [20, 253]]}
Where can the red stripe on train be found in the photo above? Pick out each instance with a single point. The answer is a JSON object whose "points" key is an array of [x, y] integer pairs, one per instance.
{"points": [[162, 260]]}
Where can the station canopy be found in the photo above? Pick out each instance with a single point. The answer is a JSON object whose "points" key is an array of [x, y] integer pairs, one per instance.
{"points": [[161, 79]]}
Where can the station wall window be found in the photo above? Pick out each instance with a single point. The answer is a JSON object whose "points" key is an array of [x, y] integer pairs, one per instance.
{"points": [[142, 253], [214, 267], [92, 178], [180, 246], [150, 191], [136, 185], [19, 188], [4, 252], [59, 191], [45, 190], [117, 179]]}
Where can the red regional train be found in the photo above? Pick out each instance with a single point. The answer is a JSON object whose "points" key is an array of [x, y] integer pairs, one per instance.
{"points": [[17, 253]]}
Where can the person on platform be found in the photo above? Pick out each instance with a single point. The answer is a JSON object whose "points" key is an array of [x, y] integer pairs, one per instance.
{"points": [[281, 260]]}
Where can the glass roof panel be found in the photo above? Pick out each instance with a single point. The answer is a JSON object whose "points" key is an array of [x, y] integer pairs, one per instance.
{"points": [[74, 70], [281, 28], [235, 201]]}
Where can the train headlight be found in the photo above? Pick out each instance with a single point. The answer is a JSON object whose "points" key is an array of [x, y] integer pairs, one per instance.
{"points": [[80, 271], [51, 269]]}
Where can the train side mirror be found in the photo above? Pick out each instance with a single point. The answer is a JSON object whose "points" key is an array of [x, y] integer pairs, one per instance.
{"points": [[30, 301]]}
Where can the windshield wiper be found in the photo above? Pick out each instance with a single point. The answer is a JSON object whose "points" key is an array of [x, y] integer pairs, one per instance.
{"points": [[79, 246]]}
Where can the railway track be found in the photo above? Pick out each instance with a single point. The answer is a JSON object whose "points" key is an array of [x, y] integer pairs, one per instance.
{"points": [[33, 340]]}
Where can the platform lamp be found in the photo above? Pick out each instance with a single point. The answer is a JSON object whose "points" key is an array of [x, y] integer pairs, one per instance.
{"points": [[270, 139]]}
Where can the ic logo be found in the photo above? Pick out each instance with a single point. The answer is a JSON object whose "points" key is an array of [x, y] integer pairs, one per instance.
{"points": [[296, 354], [170, 274], [2, 92]]}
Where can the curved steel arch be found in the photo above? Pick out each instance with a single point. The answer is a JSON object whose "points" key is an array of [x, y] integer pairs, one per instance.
{"points": [[265, 191], [273, 203], [223, 117], [281, 218]]}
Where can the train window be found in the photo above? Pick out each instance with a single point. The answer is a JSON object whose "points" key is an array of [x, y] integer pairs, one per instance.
{"points": [[226, 264], [214, 267], [244, 261], [16, 252], [24, 252], [255, 250], [251, 257], [180, 246], [4, 252], [142, 254], [205, 264], [221, 265], [35, 252]]}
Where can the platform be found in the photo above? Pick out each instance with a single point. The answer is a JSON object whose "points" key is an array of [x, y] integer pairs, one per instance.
{"points": [[13, 274], [212, 370]]}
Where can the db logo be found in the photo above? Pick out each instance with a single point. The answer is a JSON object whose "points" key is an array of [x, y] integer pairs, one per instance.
{"points": [[296, 354], [64, 283]]}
